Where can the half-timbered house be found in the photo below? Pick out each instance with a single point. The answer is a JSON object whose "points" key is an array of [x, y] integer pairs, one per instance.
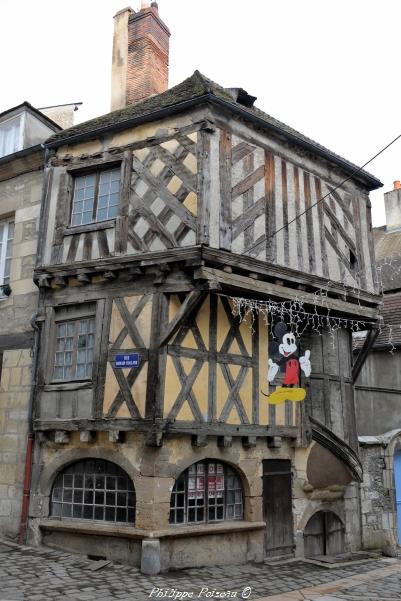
{"points": [[159, 441]]}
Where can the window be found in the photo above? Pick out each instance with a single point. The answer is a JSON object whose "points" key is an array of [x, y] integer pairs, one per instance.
{"points": [[96, 197], [93, 490], [10, 136], [6, 239], [207, 491], [73, 356]]}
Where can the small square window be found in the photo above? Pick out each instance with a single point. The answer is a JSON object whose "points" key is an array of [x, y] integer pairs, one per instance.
{"points": [[96, 197]]}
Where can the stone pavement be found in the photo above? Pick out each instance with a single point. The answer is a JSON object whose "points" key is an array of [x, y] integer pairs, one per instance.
{"points": [[43, 574]]}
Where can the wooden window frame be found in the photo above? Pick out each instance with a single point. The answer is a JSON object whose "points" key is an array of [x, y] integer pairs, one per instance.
{"points": [[64, 313], [94, 169], [207, 505]]}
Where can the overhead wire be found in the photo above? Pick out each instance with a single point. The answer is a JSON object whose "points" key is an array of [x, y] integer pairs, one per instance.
{"points": [[355, 172]]}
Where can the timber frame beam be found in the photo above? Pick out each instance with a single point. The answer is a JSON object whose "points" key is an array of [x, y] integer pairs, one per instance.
{"points": [[363, 353], [190, 304], [268, 289], [193, 257]]}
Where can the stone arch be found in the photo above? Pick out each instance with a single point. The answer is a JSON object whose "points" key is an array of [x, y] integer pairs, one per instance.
{"points": [[232, 459], [324, 534], [214, 503], [65, 458]]}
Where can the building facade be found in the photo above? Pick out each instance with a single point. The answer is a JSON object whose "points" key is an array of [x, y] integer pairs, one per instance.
{"points": [[170, 432], [22, 131], [378, 395]]}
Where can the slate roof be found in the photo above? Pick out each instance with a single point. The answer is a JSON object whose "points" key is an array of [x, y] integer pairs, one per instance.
{"points": [[197, 88], [391, 312], [388, 257]]}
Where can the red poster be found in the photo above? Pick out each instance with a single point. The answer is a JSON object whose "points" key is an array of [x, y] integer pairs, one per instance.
{"points": [[211, 482]]}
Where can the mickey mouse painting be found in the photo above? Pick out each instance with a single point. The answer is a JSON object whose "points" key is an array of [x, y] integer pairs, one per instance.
{"points": [[285, 358]]}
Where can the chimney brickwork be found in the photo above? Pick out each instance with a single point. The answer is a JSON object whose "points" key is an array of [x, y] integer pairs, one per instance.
{"points": [[140, 56]]}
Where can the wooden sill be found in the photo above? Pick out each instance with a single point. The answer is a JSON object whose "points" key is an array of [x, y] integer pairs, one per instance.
{"points": [[68, 385], [90, 227], [122, 531]]}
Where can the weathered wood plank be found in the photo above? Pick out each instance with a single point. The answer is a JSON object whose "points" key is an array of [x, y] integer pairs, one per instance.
{"points": [[248, 182], [271, 243], [190, 304], [240, 151], [203, 158], [212, 383], [161, 191], [102, 243], [225, 190], [309, 223], [72, 251], [320, 208], [284, 200], [275, 291]]}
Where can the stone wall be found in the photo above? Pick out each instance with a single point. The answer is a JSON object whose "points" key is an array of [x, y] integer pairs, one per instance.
{"points": [[153, 472], [378, 508], [20, 198]]}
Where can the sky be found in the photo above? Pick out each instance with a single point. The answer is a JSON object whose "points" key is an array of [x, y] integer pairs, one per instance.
{"points": [[328, 68]]}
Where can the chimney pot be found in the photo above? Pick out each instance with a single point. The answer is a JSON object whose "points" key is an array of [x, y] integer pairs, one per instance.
{"points": [[397, 184]]}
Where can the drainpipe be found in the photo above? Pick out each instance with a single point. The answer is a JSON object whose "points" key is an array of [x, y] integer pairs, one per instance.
{"points": [[30, 437]]}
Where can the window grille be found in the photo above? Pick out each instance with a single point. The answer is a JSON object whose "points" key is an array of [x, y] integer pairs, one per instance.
{"points": [[93, 490], [96, 197], [207, 491]]}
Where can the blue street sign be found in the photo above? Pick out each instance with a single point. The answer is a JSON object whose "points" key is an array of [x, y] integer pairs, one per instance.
{"points": [[131, 360]]}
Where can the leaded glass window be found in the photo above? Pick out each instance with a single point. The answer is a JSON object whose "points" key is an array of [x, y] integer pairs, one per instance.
{"points": [[96, 197], [93, 490], [208, 491], [74, 349]]}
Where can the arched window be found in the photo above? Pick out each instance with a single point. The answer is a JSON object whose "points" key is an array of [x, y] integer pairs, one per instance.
{"points": [[93, 490], [208, 491]]}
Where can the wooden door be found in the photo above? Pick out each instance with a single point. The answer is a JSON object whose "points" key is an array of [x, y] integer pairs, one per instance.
{"points": [[324, 535], [277, 507]]}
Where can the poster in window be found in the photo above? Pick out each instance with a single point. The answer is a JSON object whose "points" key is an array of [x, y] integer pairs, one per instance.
{"points": [[191, 495], [219, 494], [220, 483], [199, 494], [220, 468], [191, 483], [211, 482], [200, 483], [200, 468], [212, 468]]}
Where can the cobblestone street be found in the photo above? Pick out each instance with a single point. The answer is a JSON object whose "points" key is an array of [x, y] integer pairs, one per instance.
{"points": [[39, 574]]}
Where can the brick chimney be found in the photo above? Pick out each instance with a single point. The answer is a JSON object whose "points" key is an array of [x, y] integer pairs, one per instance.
{"points": [[140, 55], [392, 203]]}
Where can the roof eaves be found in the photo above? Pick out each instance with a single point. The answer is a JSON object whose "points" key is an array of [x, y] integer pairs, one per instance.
{"points": [[137, 120], [21, 153]]}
